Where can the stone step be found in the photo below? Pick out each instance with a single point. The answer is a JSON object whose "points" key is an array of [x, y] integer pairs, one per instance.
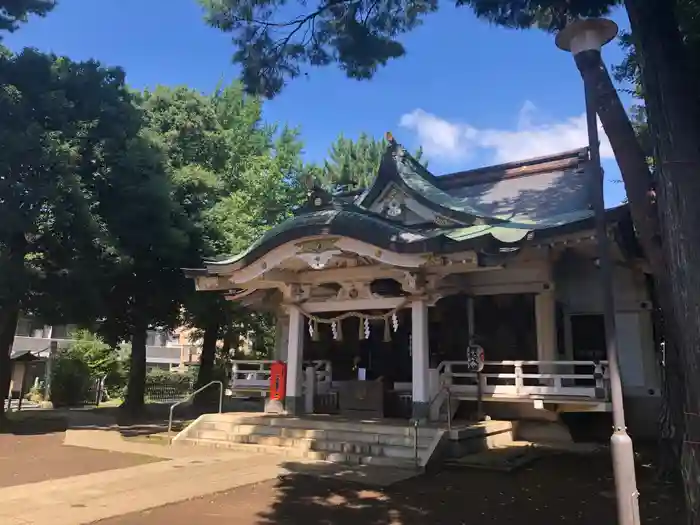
{"points": [[424, 440], [225, 421], [350, 447], [318, 455]]}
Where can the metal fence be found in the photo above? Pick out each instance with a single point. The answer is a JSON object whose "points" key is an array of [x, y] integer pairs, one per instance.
{"points": [[165, 391]]}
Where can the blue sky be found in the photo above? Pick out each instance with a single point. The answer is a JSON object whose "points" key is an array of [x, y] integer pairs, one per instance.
{"points": [[472, 94]]}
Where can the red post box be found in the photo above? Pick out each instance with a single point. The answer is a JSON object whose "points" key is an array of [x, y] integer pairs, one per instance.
{"points": [[278, 381]]}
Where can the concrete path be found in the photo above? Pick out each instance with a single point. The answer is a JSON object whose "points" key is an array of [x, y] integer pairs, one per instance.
{"points": [[85, 499], [185, 473], [113, 441]]}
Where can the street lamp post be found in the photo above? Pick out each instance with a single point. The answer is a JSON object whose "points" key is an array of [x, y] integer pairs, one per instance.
{"points": [[584, 38]]}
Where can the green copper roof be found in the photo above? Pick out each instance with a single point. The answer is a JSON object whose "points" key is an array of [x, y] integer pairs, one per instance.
{"points": [[400, 167], [421, 184], [478, 219], [349, 221]]}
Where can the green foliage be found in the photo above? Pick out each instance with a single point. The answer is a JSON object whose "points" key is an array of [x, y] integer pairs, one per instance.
{"points": [[353, 164], [100, 358], [70, 379], [159, 377], [58, 126], [77, 369], [35, 394], [232, 177], [549, 15], [262, 327], [269, 190], [271, 47], [163, 385], [629, 73], [15, 12], [274, 43]]}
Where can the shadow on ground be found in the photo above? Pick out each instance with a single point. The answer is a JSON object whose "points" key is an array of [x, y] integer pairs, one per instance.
{"points": [[558, 488], [153, 420]]}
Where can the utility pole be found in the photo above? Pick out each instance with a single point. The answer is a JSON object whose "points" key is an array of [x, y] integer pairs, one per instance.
{"points": [[584, 38]]}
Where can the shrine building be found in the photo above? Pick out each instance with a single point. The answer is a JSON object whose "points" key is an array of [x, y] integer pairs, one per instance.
{"points": [[389, 285]]}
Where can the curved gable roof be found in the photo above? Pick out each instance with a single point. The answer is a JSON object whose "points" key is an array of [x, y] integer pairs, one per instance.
{"points": [[399, 167], [490, 209]]}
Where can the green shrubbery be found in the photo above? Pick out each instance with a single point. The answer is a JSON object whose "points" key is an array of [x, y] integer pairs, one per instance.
{"points": [[70, 379], [77, 370]]}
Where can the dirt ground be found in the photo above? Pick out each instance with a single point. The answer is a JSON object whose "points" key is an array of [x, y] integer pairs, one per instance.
{"points": [[28, 458], [577, 490]]}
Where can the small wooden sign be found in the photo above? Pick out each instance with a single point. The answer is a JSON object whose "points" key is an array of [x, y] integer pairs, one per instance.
{"points": [[475, 358]]}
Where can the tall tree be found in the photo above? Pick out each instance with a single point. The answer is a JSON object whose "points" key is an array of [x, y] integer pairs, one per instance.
{"points": [[59, 122], [673, 110], [672, 422], [353, 164], [222, 156], [15, 12], [205, 139], [359, 36], [149, 237]]}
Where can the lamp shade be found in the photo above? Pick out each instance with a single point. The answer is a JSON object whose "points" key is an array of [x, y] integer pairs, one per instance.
{"points": [[586, 34]]}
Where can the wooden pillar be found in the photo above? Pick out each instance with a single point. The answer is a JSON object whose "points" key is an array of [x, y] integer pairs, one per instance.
{"points": [[281, 336], [470, 318], [420, 358], [546, 318], [295, 356]]}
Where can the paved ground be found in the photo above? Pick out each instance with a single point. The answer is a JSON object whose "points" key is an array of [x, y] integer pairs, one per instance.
{"points": [[574, 490], [118, 481], [127, 476], [32, 458]]}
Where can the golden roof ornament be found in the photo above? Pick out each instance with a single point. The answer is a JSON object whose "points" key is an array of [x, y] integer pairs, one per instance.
{"points": [[389, 137]]}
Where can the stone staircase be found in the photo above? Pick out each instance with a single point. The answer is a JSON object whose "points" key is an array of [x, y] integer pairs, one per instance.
{"points": [[333, 439]]}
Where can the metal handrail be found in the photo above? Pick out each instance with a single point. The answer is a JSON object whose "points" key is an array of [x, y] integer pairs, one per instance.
{"points": [[415, 442], [444, 388], [416, 423], [172, 407]]}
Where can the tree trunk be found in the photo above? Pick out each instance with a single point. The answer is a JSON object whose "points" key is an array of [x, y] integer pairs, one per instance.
{"points": [[670, 430], [674, 122], [9, 312], [206, 366], [628, 155], [639, 187], [136, 390], [8, 325], [229, 337]]}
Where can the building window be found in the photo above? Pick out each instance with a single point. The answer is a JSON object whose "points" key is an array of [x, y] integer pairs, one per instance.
{"points": [[156, 338], [24, 327], [59, 331], [505, 326], [31, 327], [588, 337]]}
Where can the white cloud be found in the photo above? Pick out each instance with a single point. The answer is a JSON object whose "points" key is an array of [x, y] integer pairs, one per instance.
{"points": [[534, 135]]}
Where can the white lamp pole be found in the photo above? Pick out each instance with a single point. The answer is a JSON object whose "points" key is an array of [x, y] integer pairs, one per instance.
{"points": [[584, 39]]}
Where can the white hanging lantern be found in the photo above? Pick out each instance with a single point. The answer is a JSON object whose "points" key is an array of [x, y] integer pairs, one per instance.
{"points": [[334, 329], [367, 330], [395, 322]]}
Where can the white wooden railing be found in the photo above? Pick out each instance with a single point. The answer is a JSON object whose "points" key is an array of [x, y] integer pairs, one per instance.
{"points": [[250, 376], [254, 376], [324, 375], [560, 381], [529, 379]]}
